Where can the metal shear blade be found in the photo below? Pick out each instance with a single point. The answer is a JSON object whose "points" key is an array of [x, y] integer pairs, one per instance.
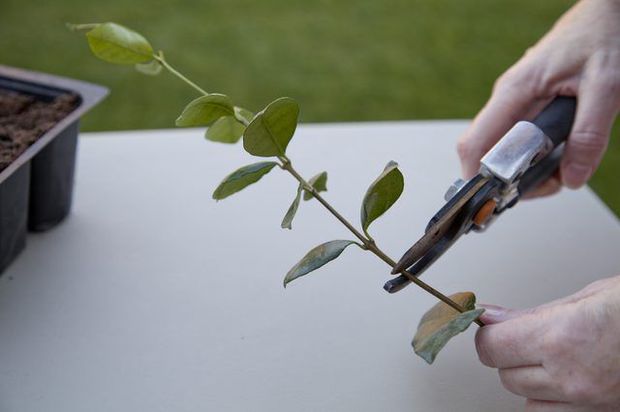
{"points": [[453, 220]]}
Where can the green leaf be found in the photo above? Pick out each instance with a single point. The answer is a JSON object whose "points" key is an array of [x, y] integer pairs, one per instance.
{"points": [[241, 178], [382, 194], [205, 110], [243, 115], [226, 129], [271, 130], [441, 323], [290, 213], [316, 258], [152, 68], [319, 183], [119, 45]]}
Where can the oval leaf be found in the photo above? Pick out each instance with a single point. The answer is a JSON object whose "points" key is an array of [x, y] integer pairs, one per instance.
{"points": [[319, 183], [292, 210], [382, 194], [205, 110], [271, 130], [152, 68], [226, 129], [117, 44], [241, 178], [316, 258], [441, 323]]}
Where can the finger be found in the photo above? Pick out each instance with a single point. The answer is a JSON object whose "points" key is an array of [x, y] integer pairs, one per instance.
{"points": [[495, 314], [532, 405], [597, 106], [510, 102], [549, 187], [513, 343], [530, 382]]}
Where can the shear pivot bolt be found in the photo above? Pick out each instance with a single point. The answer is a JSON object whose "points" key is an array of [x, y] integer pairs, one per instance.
{"points": [[485, 212]]}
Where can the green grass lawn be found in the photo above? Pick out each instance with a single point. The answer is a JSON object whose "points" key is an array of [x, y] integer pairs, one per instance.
{"points": [[343, 60]]}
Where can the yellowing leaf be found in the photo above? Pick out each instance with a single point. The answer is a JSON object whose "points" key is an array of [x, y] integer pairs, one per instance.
{"points": [[271, 130], [441, 323], [118, 44], [241, 178], [316, 258], [382, 194]]}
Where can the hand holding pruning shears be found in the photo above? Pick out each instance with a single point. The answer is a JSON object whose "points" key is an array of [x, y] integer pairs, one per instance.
{"points": [[562, 356]]}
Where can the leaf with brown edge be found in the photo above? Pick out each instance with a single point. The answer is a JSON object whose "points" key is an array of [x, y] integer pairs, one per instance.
{"points": [[441, 323]]}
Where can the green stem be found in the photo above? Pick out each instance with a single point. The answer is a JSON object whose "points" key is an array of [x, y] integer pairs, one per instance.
{"points": [[160, 58], [368, 242], [287, 165], [174, 71]]}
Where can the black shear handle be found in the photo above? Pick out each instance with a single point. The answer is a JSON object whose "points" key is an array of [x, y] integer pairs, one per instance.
{"points": [[556, 121]]}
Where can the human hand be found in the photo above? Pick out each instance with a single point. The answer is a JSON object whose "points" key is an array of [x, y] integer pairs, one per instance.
{"points": [[579, 57], [561, 356]]}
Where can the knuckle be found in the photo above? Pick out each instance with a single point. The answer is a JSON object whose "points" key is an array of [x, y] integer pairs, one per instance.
{"points": [[521, 78], [588, 142], [506, 81], [554, 345], [613, 83], [603, 71]]}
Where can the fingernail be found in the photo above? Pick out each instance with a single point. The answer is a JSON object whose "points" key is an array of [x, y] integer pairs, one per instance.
{"points": [[574, 175], [493, 313]]}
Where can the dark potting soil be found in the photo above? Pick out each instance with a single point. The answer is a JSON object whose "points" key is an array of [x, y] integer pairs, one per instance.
{"points": [[24, 118]]}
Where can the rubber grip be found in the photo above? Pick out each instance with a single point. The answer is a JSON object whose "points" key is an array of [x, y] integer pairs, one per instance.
{"points": [[556, 119]]}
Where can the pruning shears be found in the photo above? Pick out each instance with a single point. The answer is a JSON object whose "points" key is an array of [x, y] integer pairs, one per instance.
{"points": [[527, 155]]}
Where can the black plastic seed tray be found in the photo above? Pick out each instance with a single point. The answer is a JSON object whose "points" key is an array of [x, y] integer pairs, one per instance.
{"points": [[36, 189]]}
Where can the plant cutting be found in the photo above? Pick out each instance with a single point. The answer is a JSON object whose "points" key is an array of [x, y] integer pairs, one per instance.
{"points": [[267, 134]]}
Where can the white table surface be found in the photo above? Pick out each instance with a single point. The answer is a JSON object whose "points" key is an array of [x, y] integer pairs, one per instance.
{"points": [[153, 297]]}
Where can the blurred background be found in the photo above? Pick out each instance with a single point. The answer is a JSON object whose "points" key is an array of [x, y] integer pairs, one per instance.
{"points": [[343, 60]]}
